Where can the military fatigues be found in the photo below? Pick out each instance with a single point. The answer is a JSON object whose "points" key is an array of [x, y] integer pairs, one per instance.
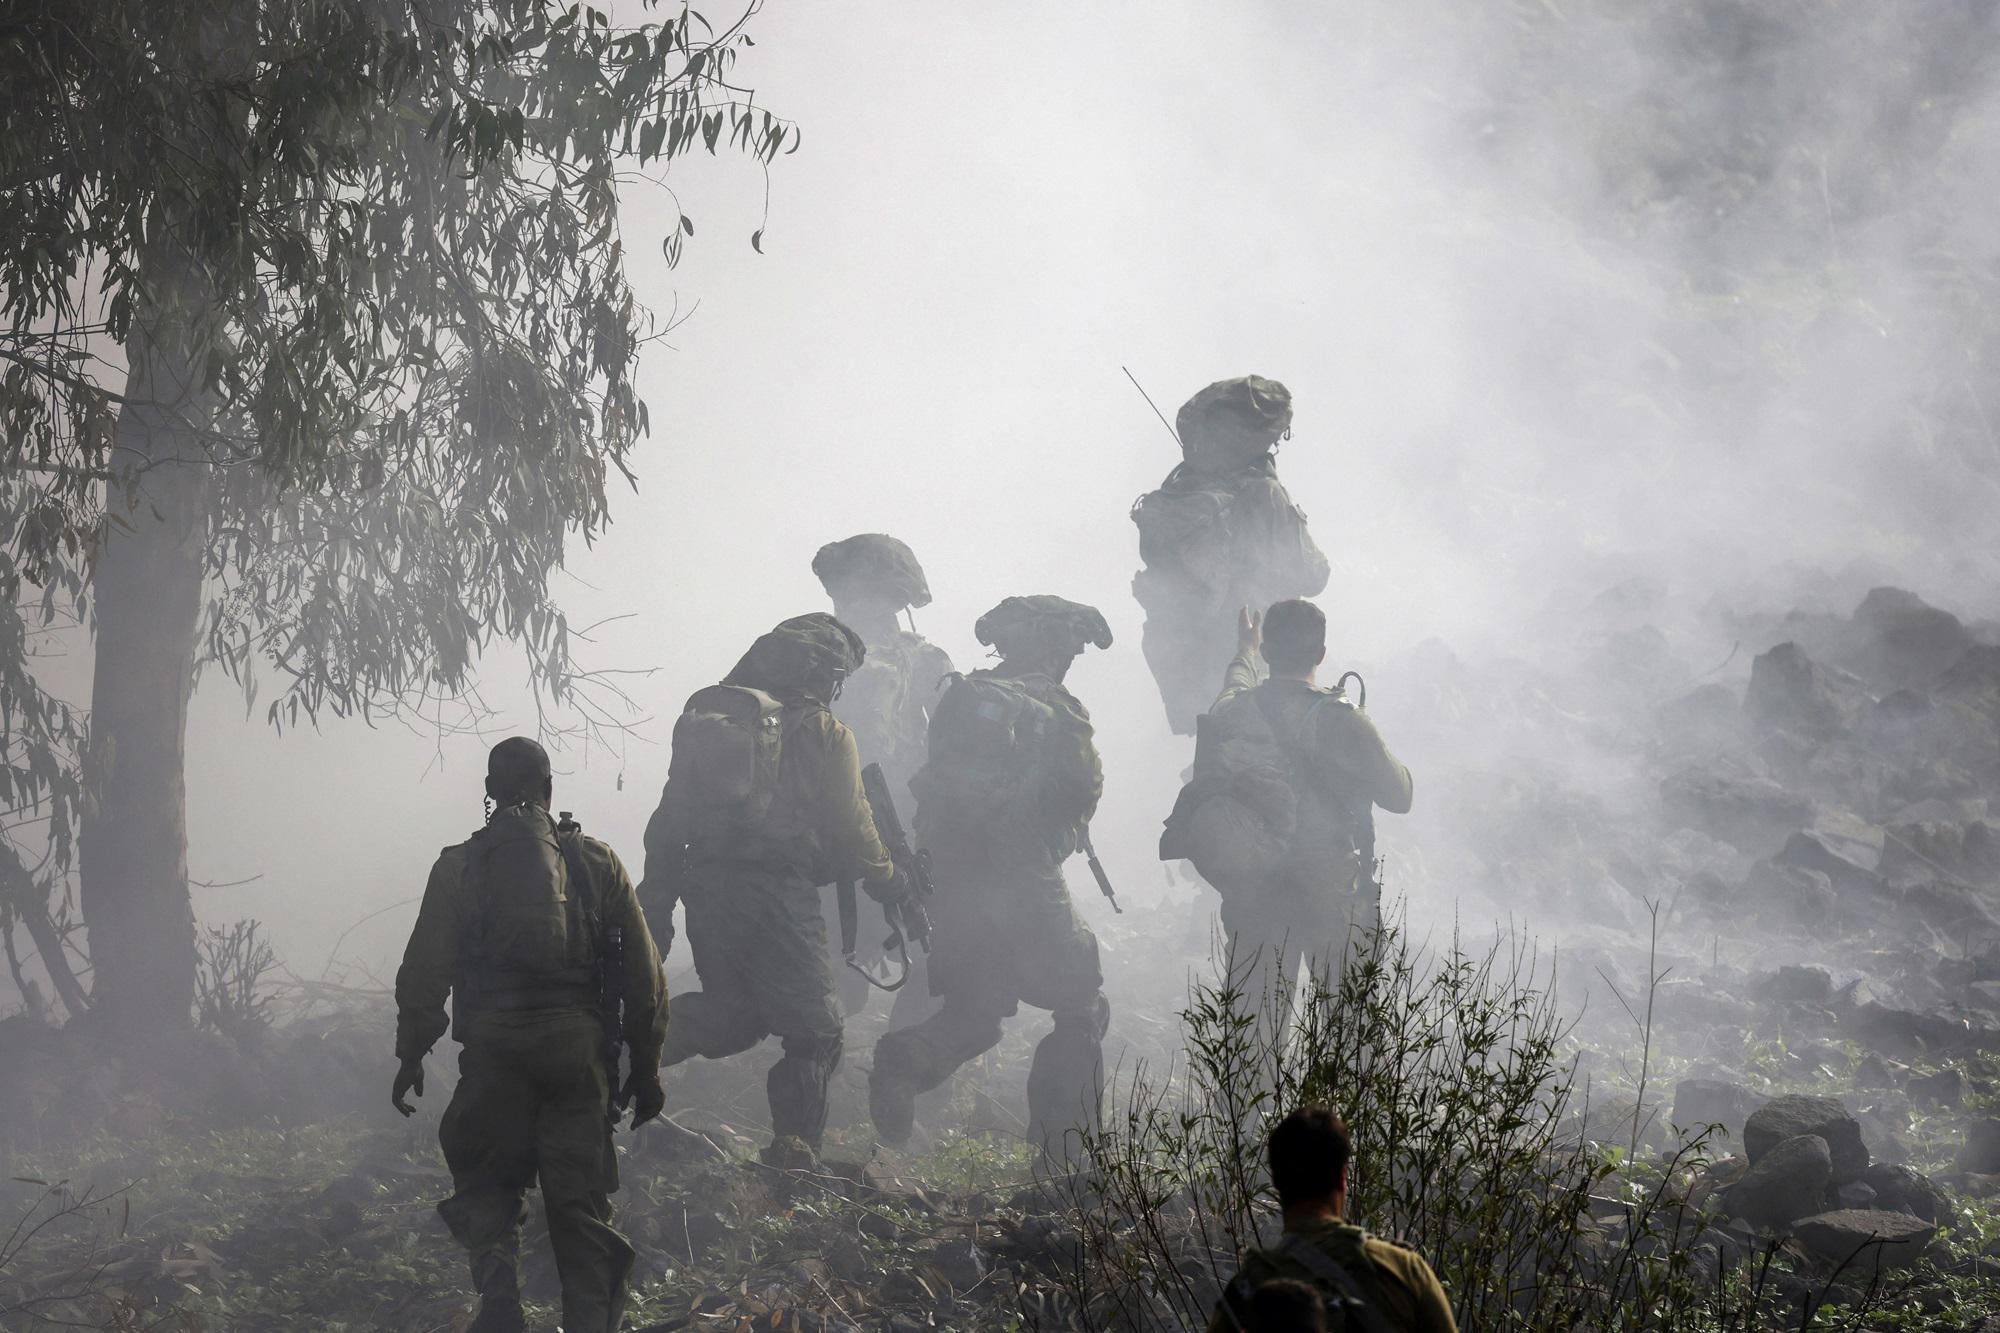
{"points": [[1313, 908], [534, 1087], [1007, 935], [753, 918], [1220, 533], [1395, 1280], [885, 704], [1257, 551]]}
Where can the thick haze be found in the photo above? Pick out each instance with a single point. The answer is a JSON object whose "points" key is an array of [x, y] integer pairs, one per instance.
{"points": [[1535, 347]]}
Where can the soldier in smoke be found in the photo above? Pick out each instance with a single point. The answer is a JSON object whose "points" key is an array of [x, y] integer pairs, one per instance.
{"points": [[763, 804], [1011, 783], [873, 578], [535, 934], [1220, 533], [1279, 810]]}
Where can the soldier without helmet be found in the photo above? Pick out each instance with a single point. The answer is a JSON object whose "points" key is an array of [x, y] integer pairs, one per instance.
{"points": [[517, 927]]}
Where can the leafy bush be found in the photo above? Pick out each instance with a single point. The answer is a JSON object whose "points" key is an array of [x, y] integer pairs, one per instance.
{"points": [[1451, 1070]]}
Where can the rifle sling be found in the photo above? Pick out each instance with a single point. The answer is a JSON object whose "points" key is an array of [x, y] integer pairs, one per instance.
{"points": [[1360, 1311]]}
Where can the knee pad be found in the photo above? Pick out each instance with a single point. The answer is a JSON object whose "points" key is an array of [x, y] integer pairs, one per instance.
{"points": [[1089, 1020], [819, 1048]]}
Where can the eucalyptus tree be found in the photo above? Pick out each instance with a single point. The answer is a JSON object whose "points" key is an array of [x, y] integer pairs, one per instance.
{"points": [[318, 352]]}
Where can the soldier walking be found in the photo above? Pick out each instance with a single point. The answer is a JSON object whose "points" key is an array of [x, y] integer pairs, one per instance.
{"points": [[763, 804], [1005, 798], [873, 579], [535, 934]]}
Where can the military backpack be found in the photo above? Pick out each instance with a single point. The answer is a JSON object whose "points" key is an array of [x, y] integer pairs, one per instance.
{"points": [[727, 746], [534, 941], [1238, 818], [989, 741]]}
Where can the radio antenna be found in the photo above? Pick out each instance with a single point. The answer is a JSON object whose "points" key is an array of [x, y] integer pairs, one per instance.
{"points": [[1155, 406]]}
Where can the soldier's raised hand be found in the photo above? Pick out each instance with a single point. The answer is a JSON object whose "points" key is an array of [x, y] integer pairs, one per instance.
{"points": [[409, 1079], [1249, 628]]}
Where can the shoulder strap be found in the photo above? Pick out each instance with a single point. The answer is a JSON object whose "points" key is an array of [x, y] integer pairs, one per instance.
{"points": [[571, 842], [1267, 704], [1360, 1311]]}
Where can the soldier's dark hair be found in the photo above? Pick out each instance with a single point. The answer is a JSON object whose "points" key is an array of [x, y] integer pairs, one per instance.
{"points": [[1294, 635], [1309, 1149], [1286, 1305], [517, 771]]}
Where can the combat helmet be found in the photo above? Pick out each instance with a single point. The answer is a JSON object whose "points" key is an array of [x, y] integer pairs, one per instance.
{"points": [[1234, 421], [1025, 623], [806, 655], [875, 562]]}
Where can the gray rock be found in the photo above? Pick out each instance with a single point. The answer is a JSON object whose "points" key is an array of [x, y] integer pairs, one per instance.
{"points": [[1945, 1088], [1803, 985], [960, 1263], [1855, 1194], [1865, 1239], [1898, 1189], [1787, 1182], [1902, 640], [1807, 850], [1745, 810], [1792, 1115], [1706, 1101], [1791, 692], [1980, 1153], [1790, 893]]}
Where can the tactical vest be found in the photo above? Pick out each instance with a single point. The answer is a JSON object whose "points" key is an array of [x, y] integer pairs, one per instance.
{"points": [[534, 940]]}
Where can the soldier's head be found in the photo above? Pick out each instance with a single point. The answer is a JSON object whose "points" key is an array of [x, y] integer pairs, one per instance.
{"points": [[1233, 423], [801, 659], [1286, 1305], [1309, 1150], [517, 773], [1041, 633], [871, 577], [1294, 642]]}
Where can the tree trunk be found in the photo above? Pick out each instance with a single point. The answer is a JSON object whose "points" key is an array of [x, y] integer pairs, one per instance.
{"points": [[147, 586]]}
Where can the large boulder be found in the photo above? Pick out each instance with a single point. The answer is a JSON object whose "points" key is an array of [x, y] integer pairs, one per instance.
{"points": [[1787, 1182], [1793, 1115], [1713, 1101], [1864, 1240], [1791, 692], [1744, 809], [1812, 850], [1979, 1155], [1898, 1189], [1902, 641]]}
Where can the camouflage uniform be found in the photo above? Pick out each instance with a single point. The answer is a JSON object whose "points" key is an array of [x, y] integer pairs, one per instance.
{"points": [[1393, 1279], [753, 910], [1007, 933], [534, 1088], [1313, 908], [885, 703], [1221, 533]]}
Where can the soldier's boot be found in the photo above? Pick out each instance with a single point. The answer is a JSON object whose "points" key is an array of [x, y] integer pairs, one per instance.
{"points": [[892, 1090], [789, 1152], [1066, 1081], [499, 1299], [796, 1087]]}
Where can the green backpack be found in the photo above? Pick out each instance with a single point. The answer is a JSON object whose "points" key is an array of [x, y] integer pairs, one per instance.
{"points": [[728, 742], [988, 739], [534, 940]]}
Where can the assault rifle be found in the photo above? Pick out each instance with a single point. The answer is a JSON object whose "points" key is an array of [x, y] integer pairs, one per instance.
{"points": [[908, 920], [610, 965], [1089, 850]]}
